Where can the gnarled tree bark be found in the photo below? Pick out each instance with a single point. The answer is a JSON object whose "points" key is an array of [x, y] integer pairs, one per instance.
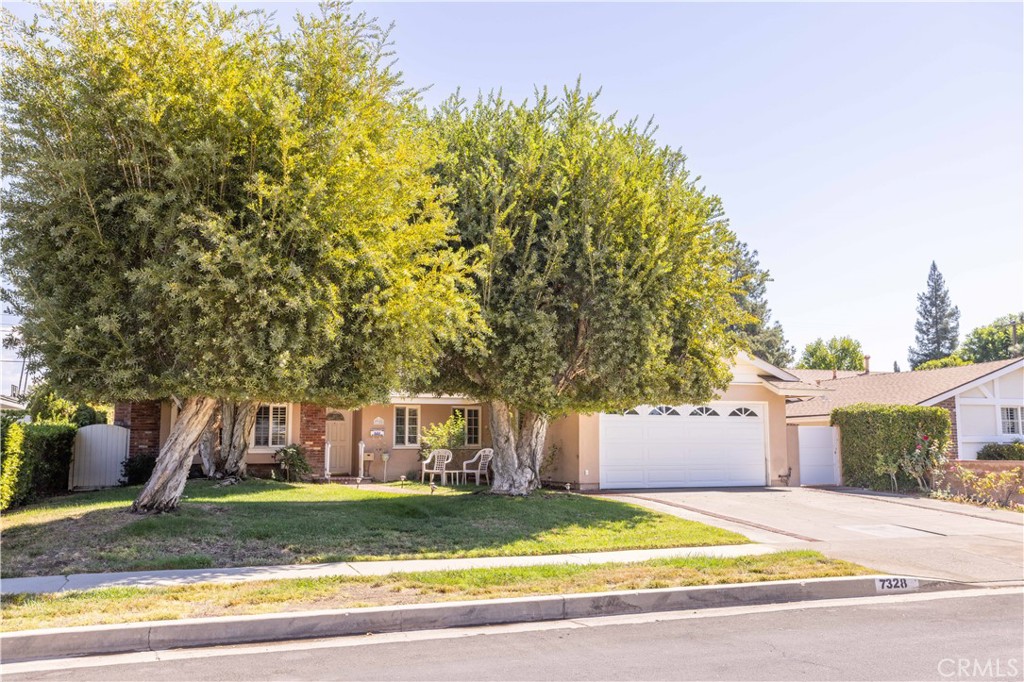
{"points": [[162, 491], [518, 442], [237, 421]]}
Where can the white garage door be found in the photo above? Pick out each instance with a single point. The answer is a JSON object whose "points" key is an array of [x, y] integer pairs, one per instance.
{"points": [[683, 446], [819, 456]]}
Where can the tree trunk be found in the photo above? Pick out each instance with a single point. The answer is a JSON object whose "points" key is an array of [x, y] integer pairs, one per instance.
{"points": [[208, 453], [163, 490], [518, 441], [237, 421]]}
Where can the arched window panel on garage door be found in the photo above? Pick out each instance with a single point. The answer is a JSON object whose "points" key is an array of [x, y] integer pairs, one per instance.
{"points": [[703, 411], [743, 412], [664, 410]]}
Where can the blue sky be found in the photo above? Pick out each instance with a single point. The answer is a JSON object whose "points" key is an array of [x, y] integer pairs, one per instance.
{"points": [[851, 144]]}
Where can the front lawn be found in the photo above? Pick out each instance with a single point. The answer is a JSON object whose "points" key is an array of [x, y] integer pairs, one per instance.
{"points": [[264, 522], [134, 604]]}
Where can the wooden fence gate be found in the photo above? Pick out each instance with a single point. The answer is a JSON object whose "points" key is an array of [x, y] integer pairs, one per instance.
{"points": [[99, 452]]}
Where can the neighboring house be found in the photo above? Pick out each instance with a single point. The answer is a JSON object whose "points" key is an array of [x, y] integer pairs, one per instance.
{"points": [[985, 401], [739, 439], [10, 402]]}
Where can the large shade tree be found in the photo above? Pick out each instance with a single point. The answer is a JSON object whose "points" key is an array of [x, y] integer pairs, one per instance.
{"points": [[605, 270], [1000, 340], [839, 353], [204, 210]]}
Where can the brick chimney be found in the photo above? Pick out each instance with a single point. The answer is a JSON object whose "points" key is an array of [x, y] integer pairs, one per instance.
{"points": [[867, 364]]}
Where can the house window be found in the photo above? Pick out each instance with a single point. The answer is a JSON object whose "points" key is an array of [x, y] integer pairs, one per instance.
{"points": [[472, 417], [1011, 420], [407, 426], [703, 411], [271, 429], [743, 412]]}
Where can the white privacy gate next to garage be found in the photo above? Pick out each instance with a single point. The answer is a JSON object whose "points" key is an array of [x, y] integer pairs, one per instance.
{"points": [[819, 455], [97, 456], [684, 446]]}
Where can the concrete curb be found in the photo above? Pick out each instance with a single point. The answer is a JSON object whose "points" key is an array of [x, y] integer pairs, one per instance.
{"points": [[199, 632]]}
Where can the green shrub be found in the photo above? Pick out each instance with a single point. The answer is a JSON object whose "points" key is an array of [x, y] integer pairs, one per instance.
{"points": [[15, 477], [1012, 451], [50, 447], [447, 435], [137, 470], [7, 418], [293, 462], [872, 437], [36, 462]]}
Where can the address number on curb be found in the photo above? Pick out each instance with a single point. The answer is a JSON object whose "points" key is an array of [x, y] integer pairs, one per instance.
{"points": [[886, 585]]}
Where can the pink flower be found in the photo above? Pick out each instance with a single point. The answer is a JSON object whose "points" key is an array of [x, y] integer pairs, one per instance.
{"points": [[924, 438]]}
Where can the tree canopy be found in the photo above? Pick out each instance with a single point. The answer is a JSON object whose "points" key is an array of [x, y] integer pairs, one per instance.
{"points": [[605, 270], [839, 352], [762, 337], [938, 322], [200, 206], [994, 341], [948, 361]]}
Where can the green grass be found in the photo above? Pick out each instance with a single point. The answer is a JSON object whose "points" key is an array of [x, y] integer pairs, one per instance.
{"points": [[263, 522], [134, 604]]}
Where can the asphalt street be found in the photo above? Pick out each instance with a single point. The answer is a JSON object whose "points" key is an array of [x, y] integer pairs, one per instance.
{"points": [[916, 637]]}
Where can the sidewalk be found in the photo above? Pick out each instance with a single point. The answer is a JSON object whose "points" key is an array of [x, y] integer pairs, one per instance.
{"points": [[88, 581]]}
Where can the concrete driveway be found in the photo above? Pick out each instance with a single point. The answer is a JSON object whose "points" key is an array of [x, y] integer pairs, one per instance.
{"points": [[893, 534]]}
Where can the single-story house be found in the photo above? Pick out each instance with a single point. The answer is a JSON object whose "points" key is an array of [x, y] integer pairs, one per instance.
{"points": [[739, 439], [985, 401]]}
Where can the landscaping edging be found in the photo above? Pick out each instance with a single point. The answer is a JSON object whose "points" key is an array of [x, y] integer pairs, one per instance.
{"points": [[198, 632]]}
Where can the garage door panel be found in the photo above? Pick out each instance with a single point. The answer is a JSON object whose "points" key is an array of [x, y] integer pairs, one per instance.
{"points": [[668, 451]]}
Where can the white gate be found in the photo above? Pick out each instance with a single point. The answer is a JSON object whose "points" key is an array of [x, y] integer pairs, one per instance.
{"points": [[819, 455], [99, 452]]}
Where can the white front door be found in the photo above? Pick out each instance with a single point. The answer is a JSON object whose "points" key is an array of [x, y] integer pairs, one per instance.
{"points": [[684, 446], [819, 456], [339, 438]]}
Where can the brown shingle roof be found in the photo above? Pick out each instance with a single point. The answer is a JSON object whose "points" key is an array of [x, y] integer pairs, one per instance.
{"points": [[894, 388], [812, 375]]}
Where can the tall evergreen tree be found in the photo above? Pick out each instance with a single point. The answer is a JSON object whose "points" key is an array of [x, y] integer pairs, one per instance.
{"points": [[763, 338], [938, 322]]}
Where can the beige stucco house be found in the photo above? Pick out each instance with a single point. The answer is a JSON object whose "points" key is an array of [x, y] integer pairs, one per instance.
{"points": [[739, 439]]}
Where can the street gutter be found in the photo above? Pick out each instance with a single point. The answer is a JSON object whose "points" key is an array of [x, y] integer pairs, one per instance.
{"points": [[205, 632]]}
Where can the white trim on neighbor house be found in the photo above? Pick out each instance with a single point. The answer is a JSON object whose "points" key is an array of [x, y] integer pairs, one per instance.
{"points": [[271, 445], [406, 442], [959, 431], [994, 374], [1011, 415]]}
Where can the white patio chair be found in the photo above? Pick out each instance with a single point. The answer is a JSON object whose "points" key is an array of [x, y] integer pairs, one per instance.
{"points": [[478, 466], [436, 463]]}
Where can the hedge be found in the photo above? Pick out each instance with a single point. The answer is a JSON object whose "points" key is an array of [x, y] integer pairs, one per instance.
{"points": [[14, 477], [35, 463], [1002, 451], [869, 432]]}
